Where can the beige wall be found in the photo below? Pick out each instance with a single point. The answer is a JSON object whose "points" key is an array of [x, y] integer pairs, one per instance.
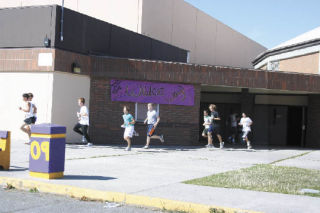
{"points": [[12, 86], [173, 21], [55, 95], [208, 40], [282, 100], [67, 88], [264, 67], [303, 64]]}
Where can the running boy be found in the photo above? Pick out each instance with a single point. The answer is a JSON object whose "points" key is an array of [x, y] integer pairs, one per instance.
{"points": [[83, 123], [246, 123], [128, 123], [215, 126], [206, 124], [33, 106], [233, 127], [152, 122], [29, 117]]}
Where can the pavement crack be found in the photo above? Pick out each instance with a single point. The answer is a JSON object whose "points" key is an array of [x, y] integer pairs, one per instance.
{"points": [[292, 157]]}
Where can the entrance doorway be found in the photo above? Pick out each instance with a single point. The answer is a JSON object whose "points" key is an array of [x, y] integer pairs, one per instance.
{"points": [[296, 126], [279, 125]]}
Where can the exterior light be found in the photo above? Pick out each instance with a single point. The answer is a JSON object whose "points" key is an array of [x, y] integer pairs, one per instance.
{"points": [[46, 42], [75, 68]]}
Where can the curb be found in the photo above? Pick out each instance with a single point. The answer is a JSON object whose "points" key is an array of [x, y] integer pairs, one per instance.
{"points": [[118, 197]]}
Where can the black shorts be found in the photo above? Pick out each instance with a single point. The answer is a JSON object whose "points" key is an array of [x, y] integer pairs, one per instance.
{"points": [[31, 120], [216, 130]]}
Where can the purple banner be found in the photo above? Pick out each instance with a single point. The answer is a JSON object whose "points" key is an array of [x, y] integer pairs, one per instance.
{"points": [[149, 92]]}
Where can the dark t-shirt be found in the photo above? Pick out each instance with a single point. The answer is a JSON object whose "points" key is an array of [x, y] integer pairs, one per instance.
{"points": [[215, 114]]}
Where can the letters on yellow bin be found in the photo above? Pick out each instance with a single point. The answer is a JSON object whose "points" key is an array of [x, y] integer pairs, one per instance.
{"points": [[5, 149], [47, 151]]}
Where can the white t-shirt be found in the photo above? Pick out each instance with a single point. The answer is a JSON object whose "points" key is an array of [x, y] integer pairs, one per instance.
{"points": [[33, 106], [246, 124], [207, 119], [30, 113], [152, 116], [84, 120]]}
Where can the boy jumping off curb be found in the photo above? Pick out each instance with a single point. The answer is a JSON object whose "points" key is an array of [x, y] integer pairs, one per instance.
{"points": [[29, 117]]}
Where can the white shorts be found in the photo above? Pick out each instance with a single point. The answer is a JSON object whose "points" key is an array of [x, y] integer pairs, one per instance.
{"points": [[128, 132], [245, 133]]}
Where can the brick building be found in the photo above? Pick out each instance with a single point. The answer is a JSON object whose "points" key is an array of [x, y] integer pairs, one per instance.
{"points": [[300, 54], [283, 105]]}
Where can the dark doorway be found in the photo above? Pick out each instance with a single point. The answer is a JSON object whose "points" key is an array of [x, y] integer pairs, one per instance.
{"points": [[278, 125], [296, 128]]}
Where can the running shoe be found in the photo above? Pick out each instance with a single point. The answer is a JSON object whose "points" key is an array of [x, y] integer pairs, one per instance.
{"points": [[161, 139], [83, 139], [221, 145]]}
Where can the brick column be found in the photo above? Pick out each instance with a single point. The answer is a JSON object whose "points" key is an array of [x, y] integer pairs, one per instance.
{"points": [[313, 123]]}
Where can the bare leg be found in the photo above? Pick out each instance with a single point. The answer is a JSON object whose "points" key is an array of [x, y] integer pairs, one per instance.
{"points": [[219, 138], [128, 139], [209, 138], [148, 141], [26, 128], [248, 143]]}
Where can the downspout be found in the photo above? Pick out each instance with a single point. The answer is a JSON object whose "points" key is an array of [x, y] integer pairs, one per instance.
{"points": [[61, 21]]}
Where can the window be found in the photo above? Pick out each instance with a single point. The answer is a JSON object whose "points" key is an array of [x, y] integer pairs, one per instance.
{"points": [[141, 111], [273, 65]]}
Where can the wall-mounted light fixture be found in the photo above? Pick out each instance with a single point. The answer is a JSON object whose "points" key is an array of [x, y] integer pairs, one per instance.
{"points": [[47, 42], [75, 68]]}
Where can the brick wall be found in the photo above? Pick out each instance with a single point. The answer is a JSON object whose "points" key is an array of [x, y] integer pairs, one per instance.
{"points": [[23, 59], [302, 64], [179, 124], [27, 59], [313, 124]]}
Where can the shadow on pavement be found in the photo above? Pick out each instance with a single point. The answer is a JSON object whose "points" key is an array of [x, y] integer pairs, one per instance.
{"points": [[85, 177], [17, 169]]}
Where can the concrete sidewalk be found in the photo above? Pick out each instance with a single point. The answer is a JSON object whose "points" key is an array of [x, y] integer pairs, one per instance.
{"points": [[159, 173]]}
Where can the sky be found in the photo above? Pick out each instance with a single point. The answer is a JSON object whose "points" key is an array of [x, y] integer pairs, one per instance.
{"points": [[268, 22]]}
